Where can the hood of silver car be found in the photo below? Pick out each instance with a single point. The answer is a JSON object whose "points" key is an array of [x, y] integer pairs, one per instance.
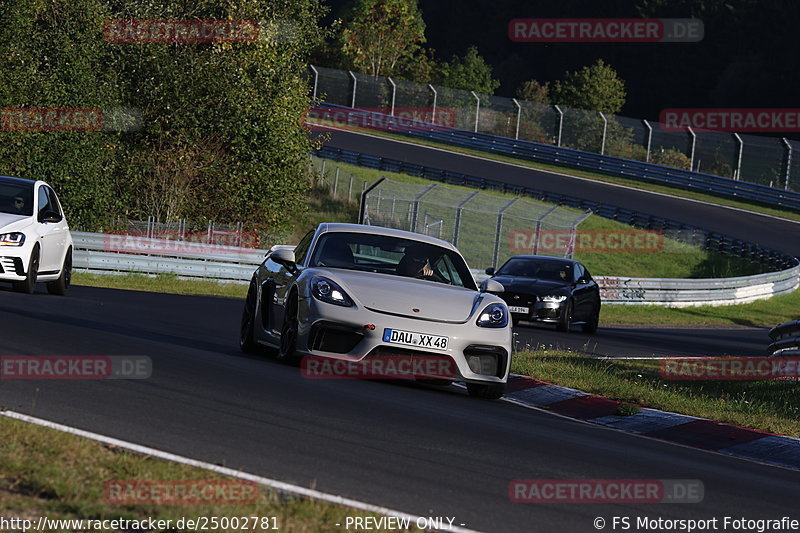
{"points": [[408, 297]]}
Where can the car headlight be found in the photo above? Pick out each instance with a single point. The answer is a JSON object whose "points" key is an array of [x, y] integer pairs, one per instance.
{"points": [[494, 316], [328, 291], [552, 298], [12, 239]]}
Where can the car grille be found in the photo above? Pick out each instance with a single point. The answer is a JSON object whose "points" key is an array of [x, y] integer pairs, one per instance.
{"points": [[517, 299], [486, 360], [333, 338], [12, 264]]}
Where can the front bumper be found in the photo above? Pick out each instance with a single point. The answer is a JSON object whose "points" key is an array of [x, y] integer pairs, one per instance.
{"points": [[479, 355], [14, 262], [538, 311]]}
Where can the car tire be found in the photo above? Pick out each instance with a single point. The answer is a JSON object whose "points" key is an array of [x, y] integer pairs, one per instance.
{"points": [[488, 391], [247, 343], [565, 320], [59, 287], [29, 284], [515, 321], [287, 352], [591, 325]]}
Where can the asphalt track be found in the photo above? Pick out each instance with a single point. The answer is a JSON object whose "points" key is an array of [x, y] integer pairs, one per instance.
{"points": [[779, 234], [420, 450]]}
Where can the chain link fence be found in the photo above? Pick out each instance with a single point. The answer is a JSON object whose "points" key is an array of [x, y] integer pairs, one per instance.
{"points": [[487, 228], [765, 160]]}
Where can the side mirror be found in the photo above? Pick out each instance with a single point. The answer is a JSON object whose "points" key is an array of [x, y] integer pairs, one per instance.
{"points": [[284, 257], [50, 217], [490, 271], [491, 285]]}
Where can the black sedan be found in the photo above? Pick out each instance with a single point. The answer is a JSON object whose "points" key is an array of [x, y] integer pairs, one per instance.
{"points": [[549, 289]]}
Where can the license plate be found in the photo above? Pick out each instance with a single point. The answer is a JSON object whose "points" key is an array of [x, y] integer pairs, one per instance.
{"points": [[523, 310], [411, 338]]}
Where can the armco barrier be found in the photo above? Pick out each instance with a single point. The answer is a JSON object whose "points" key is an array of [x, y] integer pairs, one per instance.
{"points": [[545, 153], [111, 253], [786, 339], [97, 253]]}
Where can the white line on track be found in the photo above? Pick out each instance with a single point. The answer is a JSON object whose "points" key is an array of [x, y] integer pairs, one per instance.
{"points": [[628, 187], [272, 483]]}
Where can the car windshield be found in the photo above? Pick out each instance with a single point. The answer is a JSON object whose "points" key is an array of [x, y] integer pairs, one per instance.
{"points": [[16, 197], [546, 269], [392, 255]]}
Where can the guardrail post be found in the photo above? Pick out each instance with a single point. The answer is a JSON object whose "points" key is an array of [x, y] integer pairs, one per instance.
{"points": [[788, 162], [459, 209], [605, 129], [362, 210], [737, 172], [519, 116], [415, 208], [394, 93], [560, 124], [316, 80], [477, 110], [435, 94], [649, 140], [694, 139], [496, 254], [355, 85]]}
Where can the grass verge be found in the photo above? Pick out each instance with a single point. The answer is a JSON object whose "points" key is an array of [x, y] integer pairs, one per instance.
{"points": [[665, 189], [62, 476], [164, 283], [772, 406]]}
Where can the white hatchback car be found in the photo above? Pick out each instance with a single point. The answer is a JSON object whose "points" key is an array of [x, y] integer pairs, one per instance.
{"points": [[35, 242]]}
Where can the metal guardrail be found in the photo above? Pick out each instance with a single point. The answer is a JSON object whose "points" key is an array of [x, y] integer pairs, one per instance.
{"points": [[116, 254], [613, 166], [786, 339]]}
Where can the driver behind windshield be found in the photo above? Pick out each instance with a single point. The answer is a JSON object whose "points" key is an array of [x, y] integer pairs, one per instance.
{"points": [[415, 263]]}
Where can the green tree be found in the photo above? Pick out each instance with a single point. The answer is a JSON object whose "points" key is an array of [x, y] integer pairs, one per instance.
{"points": [[469, 73], [221, 135], [380, 35], [595, 88], [534, 91]]}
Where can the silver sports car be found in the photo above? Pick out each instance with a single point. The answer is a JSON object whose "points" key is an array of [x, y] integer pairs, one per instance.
{"points": [[349, 294]]}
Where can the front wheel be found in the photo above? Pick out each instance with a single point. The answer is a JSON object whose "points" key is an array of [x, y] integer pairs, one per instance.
{"points": [[28, 285], [591, 325], [246, 342], [287, 353], [488, 391], [59, 287], [565, 320]]}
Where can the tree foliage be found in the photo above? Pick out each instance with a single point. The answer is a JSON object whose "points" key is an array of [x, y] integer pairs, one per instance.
{"points": [[469, 73], [534, 91], [595, 88], [380, 36], [221, 136]]}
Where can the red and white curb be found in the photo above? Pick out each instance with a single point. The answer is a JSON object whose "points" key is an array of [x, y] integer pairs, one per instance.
{"points": [[683, 429]]}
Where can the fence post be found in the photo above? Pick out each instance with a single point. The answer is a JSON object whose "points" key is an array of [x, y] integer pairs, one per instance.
{"points": [[355, 85], [519, 116], [605, 129], [649, 140], [477, 110], [560, 124], [459, 209], [362, 210], [496, 254], [394, 93], [691, 157], [435, 94], [537, 229], [737, 172], [316, 80], [415, 206], [350, 189], [788, 162], [336, 182]]}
